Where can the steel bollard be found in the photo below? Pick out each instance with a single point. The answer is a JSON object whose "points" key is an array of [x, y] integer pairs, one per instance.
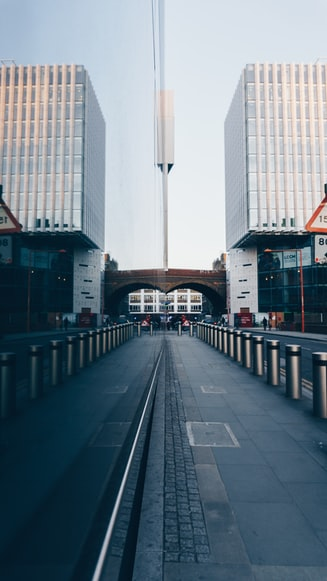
{"points": [[82, 350], [91, 347], [139, 329], [114, 336], [179, 329], [191, 329], [246, 350], [35, 371], [230, 346], [71, 355], [238, 346], [258, 356], [98, 343], [319, 387], [225, 341], [56, 362], [104, 340], [109, 339], [7, 384], [273, 362], [215, 337], [151, 329], [220, 339], [293, 371]]}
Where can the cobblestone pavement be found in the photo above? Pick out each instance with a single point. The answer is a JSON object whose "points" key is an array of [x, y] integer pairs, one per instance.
{"points": [[185, 536]]}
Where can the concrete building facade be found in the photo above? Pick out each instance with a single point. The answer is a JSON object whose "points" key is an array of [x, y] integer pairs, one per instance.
{"points": [[52, 170], [275, 171]]}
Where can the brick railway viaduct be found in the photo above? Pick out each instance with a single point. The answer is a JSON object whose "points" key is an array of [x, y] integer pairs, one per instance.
{"points": [[119, 283]]}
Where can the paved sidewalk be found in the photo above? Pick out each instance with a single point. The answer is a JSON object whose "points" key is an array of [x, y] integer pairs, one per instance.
{"points": [[237, 489]]}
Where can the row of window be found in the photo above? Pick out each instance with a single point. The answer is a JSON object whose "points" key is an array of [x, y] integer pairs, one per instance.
{"points": [[152, 309], [294, 182], [281, 163], [45, 111], [41, 94], [41, 74], [287, 110], [297, 72], [287, 92], [47, 130], [305, 129], [286, 145]]}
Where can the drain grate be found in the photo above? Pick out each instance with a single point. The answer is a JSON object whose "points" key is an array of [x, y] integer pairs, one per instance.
{"points": [[214, 434]]}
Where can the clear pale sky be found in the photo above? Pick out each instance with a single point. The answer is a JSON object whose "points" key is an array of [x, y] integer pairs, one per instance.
{"points": [[207, 45]]}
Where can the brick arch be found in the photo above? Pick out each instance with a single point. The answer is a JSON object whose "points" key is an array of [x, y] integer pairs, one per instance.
{"points": [[119, 284]]}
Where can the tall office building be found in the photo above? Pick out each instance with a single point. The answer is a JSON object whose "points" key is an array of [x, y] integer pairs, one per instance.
{"points": [[275, 170], [52, 169]]}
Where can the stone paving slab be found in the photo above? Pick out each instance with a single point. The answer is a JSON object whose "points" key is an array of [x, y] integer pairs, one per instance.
{"points": [[264, 502]]}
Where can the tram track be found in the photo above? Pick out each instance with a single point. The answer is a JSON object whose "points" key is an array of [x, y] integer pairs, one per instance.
{"points": [[109, 548]]}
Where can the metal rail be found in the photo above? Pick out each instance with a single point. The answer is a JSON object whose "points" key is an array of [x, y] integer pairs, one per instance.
{"points": [[107, 538]]}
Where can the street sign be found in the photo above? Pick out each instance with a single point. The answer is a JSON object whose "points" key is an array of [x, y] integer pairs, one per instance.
{"points": [[8, 222], [321, 249], [318, 221]]}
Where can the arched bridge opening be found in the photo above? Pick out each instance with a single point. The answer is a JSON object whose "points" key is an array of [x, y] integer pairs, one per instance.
{"points": [[118, 284]]}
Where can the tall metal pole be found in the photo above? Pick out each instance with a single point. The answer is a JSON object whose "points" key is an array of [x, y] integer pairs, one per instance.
{"points": [[165, 214]]}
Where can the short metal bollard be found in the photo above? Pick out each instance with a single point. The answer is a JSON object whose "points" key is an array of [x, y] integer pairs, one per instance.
{"points": [[139, 329], [319, 387], [71, 355], [151, 329], [109, 339], [293, 371], [98, 343], [91, 347], [215, 337], [114, 337], [7, 384], [35, 371], [191, 329], [238, 346], [220, 339], [231, 343], [225, 340], [246, 350], [82, 350], [118, 335], [179, 328], [104, 340], [56, 362], [273, 362], [258, 355]]}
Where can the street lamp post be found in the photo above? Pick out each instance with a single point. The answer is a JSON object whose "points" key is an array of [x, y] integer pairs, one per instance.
{"points": [[301, 281]]}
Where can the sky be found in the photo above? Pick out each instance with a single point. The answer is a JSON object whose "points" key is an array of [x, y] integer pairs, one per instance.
{"points": [[206, 46]]}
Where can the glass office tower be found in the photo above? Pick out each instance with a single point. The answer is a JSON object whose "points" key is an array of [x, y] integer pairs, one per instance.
{"points": [[52, 170], [52, 150], [276, 148], [275, 168]]}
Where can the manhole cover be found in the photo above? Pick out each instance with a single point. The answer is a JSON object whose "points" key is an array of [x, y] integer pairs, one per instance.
{"points": [[215, 434]]}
